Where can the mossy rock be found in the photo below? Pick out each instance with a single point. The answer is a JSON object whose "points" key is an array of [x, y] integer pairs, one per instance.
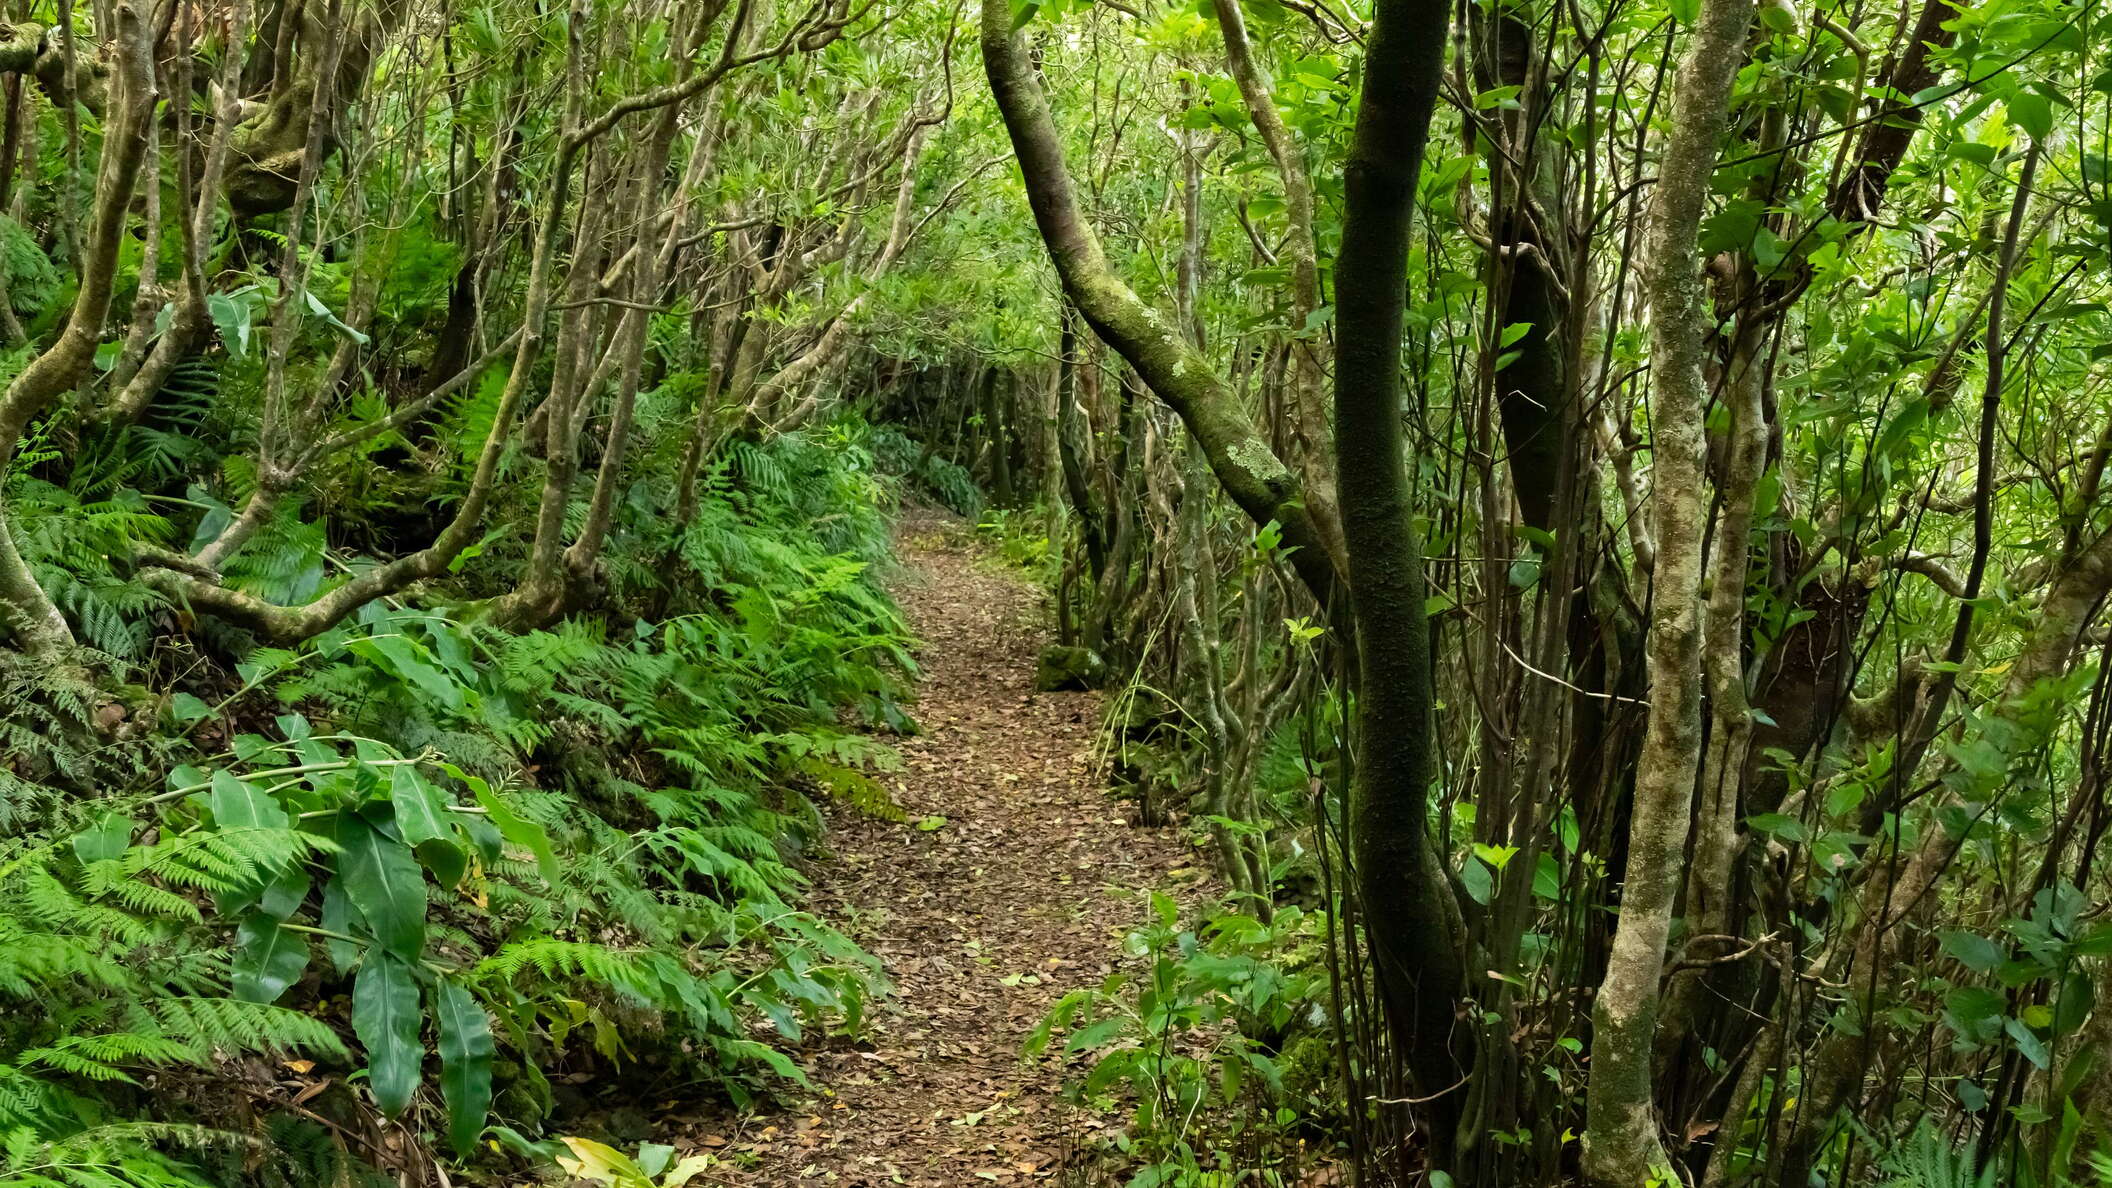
{"points": [[1064, 667]]}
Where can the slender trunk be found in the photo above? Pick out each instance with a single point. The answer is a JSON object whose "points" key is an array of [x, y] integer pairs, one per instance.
{"points": [[188, 320], [1309, 344], [1836, 1070], [147, 294], [1070, 446], [1708, 877], [1622, 1146], [288, 624], [25, 608]]}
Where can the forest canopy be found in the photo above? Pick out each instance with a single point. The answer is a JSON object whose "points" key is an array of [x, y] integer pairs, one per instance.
{"points": [[1586, 520]]}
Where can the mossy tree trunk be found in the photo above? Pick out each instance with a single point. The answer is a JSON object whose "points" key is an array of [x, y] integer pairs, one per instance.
{"points": [[1411, 917], [26, 609]]}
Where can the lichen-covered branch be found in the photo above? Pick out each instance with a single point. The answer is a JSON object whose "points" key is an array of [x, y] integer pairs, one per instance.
{"points": [[1250, 472]]}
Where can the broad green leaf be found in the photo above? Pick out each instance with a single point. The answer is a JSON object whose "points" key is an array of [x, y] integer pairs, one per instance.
{"points": [[466, 1050], [285, 894], [386, 884], [1779, 825], [268, 958], [406, 661], [1905, 422], [1769, 249], [1974, 952], [238, 805], [185, 709], [1475, 878], [1974, 1012], [2028, 1042], [386, 1019], [2077, 996], [109, 837], [1496, 856], [316, 306], [1097, 1034], [1547, 877], [654, 1157], [341, 917], [447, 860], [2031, 113], [421, 814], [231, 318]]}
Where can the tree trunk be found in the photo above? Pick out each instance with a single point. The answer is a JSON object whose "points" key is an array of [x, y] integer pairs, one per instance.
{"points": [[1411, 919], [1622, 1147], [25, 608]]}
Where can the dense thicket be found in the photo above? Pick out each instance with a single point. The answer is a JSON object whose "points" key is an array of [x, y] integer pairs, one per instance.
{"points": [[1593, 513], [1761, 766], [434, 602]]}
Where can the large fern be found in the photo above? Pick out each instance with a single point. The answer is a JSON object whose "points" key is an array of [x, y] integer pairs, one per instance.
{"points": [[175, 899]]}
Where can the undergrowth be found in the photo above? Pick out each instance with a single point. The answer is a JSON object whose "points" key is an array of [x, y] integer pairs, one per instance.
{"points": [[424, 872], [1214, 1044]]}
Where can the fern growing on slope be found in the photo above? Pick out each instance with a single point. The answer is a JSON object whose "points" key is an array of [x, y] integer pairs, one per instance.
{"points": [[431, 857], [107, 977]]}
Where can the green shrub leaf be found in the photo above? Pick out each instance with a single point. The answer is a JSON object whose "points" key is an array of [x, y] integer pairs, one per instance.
{"points": [[386, 1019], [466, 1050], [386, 884]]}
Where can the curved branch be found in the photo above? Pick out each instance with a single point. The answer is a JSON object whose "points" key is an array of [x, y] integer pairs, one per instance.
{"points": [[1250, 472]]}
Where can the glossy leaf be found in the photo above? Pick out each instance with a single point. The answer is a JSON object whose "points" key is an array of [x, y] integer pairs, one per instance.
{"points": [[240, 805], [421, 813], [520, 831], [340, 917], [269, 957], [385, 1017], [384, 881], [466, 1050]]}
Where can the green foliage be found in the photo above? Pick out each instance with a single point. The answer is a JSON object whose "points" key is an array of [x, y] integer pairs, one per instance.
{"points": [[1928, 1160], [441, 858], [32, 280], [79, 541], [49, 731], [109, 975], [1020, 541], [926, 471], [1191, 1045]]}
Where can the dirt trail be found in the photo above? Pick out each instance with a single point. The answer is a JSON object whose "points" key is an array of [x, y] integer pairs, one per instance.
{"points": [[982, 922]]}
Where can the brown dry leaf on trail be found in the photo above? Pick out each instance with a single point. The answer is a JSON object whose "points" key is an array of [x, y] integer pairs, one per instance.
{"points": [[983, 923]]}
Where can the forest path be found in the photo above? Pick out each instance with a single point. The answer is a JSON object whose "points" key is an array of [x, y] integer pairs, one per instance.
{"points": [[982, 922]]}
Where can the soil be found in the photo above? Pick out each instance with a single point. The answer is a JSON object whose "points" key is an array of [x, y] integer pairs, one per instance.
{"points": [[1011, 883]]}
